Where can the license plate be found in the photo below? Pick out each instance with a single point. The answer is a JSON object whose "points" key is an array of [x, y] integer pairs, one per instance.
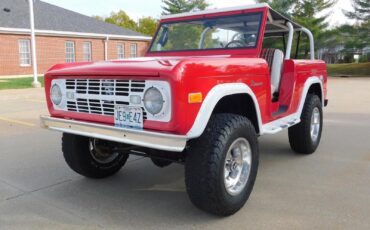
{"points": [[126, 116]]}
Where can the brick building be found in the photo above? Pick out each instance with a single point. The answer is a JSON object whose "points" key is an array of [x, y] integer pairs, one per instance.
{"points": [[61, 36]]}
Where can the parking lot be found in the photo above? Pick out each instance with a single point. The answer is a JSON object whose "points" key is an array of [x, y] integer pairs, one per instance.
{"points": [[327, 190]]}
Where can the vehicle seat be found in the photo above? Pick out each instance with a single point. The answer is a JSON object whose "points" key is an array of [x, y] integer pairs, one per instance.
{"points": [[275, 60]]}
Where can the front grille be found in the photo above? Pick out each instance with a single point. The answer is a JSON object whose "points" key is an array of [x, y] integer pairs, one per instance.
{"points": [[105, 87], [101, 96]]}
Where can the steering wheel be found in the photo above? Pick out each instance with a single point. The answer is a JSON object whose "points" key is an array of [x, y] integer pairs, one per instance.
{"points": [[235, 43]]}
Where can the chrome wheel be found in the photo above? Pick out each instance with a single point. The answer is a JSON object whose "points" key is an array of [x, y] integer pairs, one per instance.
{"points": [[237, 167], [315, 124], [101, 152]]}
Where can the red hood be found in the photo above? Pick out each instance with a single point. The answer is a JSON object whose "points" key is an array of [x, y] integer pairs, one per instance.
{"points": [[147, 66]]}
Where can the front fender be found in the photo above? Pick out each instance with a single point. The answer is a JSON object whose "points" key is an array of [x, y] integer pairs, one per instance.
{"points": [[210, 102]]}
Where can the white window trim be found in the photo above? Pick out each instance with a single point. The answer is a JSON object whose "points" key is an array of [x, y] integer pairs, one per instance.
{"points": [[121, 55], [74, 51], [133, 54], [20, 52], [89, 53]]}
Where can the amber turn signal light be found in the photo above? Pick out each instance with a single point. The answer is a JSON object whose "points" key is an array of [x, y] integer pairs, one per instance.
{"points": [[195, 98]]}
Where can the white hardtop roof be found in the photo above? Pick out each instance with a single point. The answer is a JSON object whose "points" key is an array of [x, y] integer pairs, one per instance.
{"points": [[274, 17]]}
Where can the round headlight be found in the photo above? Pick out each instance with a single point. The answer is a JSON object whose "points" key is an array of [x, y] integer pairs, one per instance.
{"points": [[153, 101], [56, 94]]}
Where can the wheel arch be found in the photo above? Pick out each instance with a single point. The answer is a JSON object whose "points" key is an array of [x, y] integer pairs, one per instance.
{"points": [[216, 101], [316, 89], [314, 85], [241, 104]]}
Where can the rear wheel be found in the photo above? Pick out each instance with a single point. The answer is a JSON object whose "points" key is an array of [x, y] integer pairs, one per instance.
{"points": [[91, 157], [305, 137], [221, 165]]}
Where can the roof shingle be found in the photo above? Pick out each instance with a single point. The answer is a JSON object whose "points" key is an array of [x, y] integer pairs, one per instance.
{"points": [[51, 17]]}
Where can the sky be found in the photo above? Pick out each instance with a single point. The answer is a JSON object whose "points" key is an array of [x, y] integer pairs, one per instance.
{"points": [[140, 8]]}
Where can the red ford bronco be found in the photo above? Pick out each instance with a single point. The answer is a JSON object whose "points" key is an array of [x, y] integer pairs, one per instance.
{"points": [[210, 84]]}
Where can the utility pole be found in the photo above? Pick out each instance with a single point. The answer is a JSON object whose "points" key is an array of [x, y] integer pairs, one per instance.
{"points": [[35, 83]]}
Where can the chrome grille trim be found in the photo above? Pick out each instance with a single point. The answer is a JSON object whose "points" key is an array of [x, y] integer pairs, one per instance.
{"points": [[105, 87], [101, 96]]}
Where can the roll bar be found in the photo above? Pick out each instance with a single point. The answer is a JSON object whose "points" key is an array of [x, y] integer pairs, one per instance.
{"points": [[290, 40], [312, 42]]}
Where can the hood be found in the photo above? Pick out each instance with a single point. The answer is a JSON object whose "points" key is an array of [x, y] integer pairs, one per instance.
{"points": [[147, 66]]}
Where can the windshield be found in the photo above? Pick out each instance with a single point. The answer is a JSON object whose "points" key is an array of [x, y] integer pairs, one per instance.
{"points": [[237, 31]]}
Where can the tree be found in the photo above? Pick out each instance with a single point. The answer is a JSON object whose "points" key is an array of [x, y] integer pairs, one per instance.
{"points": [[181, 6], [121, 19], [354, 39], [308, 13], [177, 31], [361, 10], [284, 7], [147, 26], [100, 18]]}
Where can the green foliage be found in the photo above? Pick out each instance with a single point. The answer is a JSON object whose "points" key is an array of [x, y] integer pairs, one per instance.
{"points": [[189, 42], [365, 58], [353, 38], [100, 18], [121, 19], [147, 26], [18, 83], [361, 10], [285, 7], [181, 6], [192, 32], [352, 69], [177, 40], [308, 13]]}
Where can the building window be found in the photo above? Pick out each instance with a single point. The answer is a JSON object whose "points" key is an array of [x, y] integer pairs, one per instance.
{"points": [[70, 52], [133, 50], [87, 51], [25, 52], [121, 51]]}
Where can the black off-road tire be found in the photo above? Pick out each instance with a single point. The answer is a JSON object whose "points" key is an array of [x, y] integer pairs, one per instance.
{"points": [[76, 152], [300, 135], [204, 165]]}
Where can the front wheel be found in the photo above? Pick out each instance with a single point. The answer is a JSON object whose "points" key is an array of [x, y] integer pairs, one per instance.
{"points": [[221, 165], [91, 157], [305, 137]]}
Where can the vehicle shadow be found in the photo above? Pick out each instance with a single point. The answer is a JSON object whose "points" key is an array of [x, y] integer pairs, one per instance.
{"points": [[143, 195]]}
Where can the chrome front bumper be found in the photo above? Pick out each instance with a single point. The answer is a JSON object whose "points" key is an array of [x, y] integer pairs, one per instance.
{"points": [[154, 140]]}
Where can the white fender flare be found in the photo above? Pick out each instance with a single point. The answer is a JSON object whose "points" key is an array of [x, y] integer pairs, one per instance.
{"points": [[223, 90], [307, 85], [211, 100]]}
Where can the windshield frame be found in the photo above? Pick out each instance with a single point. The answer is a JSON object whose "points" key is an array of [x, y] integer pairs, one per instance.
{"points": [[260, 12]]}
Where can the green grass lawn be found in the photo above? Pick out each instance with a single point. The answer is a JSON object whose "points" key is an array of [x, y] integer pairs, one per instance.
{"points": [[352, 69], [18, 83]]}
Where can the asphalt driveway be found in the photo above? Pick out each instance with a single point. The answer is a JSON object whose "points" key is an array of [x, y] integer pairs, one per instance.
{"points": [[327, 190]]}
